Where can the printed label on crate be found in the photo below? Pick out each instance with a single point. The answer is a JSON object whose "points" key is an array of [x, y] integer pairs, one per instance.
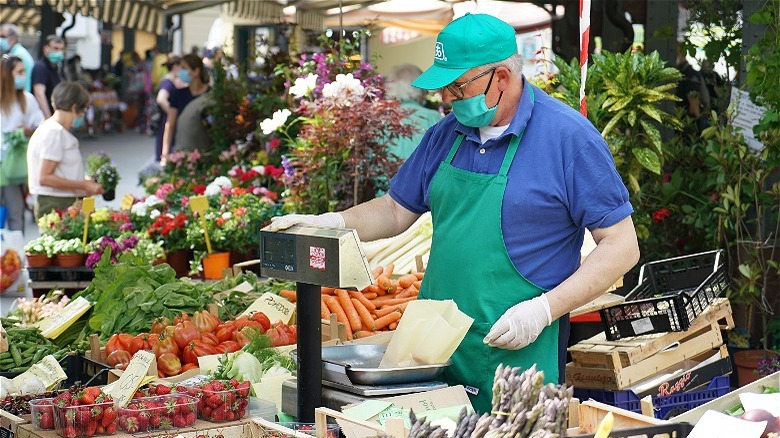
{"points": [[643, 325], [6, 433], [276, 308], [54, 325], [132, 378], [48, 371]]}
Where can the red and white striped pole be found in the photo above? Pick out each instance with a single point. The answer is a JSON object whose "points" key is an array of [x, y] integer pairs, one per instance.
{"points": [[584, 40]]}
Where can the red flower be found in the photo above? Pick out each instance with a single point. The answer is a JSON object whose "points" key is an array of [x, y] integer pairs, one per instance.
{"points": [[220, 221], [274, 172], [274, 143], [660, 215], [199, 189]]}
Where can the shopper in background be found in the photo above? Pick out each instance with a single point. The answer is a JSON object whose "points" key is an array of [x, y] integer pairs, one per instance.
{"points": [[185, 129], [168, 84], [513, 177], [9, 43], [54, 164], [399, 87], [693, 92], [19, 112], [47, 72]]}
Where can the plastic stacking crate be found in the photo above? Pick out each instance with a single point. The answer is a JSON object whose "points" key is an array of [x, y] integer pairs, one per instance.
{"points": [[665, 406], [670, 295]]}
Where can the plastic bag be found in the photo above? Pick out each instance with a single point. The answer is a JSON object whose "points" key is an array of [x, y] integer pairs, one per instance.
{"points": [[13, 163], [11, 262]]}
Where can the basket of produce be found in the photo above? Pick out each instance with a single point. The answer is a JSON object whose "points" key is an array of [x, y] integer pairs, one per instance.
{"points": [[85, 413], [42, 413], [164, 412], [670, 295]]}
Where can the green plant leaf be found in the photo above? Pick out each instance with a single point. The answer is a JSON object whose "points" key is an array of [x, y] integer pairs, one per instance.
{"points": [[653, 133], [648, 159]]}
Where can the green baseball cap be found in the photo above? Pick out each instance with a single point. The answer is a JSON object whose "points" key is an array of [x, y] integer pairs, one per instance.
{"points": [[470, 41]]}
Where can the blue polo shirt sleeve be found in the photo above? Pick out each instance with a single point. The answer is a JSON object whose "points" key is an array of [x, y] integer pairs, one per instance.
{"points": [[39, 74]]}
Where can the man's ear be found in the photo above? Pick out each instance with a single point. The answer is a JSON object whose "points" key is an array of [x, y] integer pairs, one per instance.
{"points": [[504, 77]]}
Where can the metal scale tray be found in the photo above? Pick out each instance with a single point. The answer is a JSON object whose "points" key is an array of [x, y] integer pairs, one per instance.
{"points": [[359, 365]]}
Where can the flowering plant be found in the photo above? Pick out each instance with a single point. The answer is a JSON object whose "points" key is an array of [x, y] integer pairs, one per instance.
{"points": [[136, 243], [63, 224], [170, 230], [68, 246], [41, 245], [31, 310], [107, 176], [96, 161]]}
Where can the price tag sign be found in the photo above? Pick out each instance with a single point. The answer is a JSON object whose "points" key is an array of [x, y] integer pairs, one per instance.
{"points": [[200, 204], [127, 201], [132, 378], [87, 207], [276, 308], [54, 325], [48, 370]]}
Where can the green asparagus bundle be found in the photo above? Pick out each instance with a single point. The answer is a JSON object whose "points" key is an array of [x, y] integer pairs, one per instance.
{"points": [[523, 407]]}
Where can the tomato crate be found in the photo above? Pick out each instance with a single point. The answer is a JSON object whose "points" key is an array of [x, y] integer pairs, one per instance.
{"points": [[670, 295], [665, 406]]}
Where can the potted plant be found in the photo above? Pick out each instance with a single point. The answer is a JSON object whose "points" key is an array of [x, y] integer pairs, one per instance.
{"points": [[40, 251], [68, 253], [171, 232], [100, 168]]}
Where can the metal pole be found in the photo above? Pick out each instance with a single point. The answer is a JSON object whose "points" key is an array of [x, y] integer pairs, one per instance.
{"points": [[307, 309]]}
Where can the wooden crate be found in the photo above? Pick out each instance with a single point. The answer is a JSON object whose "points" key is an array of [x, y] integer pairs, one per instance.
{"points": [[590, 413], [614, 375], [598, 351], [264, 428], [10, 423], [233, 429]]}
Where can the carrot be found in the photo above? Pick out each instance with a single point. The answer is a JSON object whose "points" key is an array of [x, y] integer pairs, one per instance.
{"points": [[419, 275], [393, 325], [417, 284], [341, 316], [384, 301], [384, 283], [407, 280], [387, 310], [376, 272], [362, 298], [370, 295], [363, 334], [324, 311], [388, 271], [289, 294], [349, 309], [408, 292], [328, 290], [365, 315], [386, 320], [373, 289]]}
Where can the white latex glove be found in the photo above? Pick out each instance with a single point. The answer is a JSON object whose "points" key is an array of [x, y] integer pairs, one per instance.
{"points": [[329, 220], [520, 325]]}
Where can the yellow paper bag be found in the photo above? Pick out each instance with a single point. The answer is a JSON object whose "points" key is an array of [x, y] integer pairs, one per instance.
{"points": [[444, 326]]}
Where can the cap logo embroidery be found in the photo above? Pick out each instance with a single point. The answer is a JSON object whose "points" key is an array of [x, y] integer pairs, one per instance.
{"points": [[438, 52]]}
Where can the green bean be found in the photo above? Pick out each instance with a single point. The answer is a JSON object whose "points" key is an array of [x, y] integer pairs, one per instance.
{"points": [[15, 354], [39, 355], [18, 370], [6, 355]]}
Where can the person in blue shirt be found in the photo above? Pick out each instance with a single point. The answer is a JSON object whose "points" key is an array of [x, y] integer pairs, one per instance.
{"points": [[9, 43], [399, 87], [512, 178]]}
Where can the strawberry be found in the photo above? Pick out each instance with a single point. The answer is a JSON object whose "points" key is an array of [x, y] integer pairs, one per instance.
{"points": [[162, 390], [242, 389], [240, 413], [109, 416], [143, 418], [165, 423], [179, 421], [131, 425], [83, 416], [182, 406], [231, 415], [205, 412], [234, 383], [190, 418], [100, 430], [213, 401], [63, 400], [154, 421], [111, 429], [86, 397], [70, 432], [46, 420], [90, 428], [219, 413], [217, 385], [170, 406]]}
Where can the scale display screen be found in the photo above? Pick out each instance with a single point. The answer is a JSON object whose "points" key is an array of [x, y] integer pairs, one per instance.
{"points": [[278, 252]]}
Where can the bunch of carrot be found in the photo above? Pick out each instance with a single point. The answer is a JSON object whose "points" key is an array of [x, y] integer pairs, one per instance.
{"points": [[376, 308]]}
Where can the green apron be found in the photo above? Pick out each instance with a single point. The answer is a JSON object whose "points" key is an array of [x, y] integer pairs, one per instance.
{"points": [[469, 264]]}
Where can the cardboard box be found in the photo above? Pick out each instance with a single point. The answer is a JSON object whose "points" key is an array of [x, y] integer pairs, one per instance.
{"points": [[419, 402], [9, 424]]}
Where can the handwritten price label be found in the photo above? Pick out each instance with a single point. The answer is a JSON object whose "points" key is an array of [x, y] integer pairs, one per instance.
{"points": [[54, 325], [123, 389], [276, 308]]}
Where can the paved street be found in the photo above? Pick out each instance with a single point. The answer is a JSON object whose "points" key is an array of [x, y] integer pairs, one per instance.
{"points": [[129, 150]]}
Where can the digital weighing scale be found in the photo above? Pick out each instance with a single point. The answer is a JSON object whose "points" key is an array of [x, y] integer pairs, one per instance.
{"points": [[314, 257]]}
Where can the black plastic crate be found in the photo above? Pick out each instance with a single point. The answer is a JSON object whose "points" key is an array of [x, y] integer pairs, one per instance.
{"points": [[59, 273], [84, 370], [673, 430], [670, 295]]}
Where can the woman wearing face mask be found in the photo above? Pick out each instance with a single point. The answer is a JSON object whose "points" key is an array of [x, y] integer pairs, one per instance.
{"points": [[168, 84], [184, 129], [20, 114], [54, 164]]}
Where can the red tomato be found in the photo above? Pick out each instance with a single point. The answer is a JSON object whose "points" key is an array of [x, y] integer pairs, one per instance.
{"points": [[184, 333], [225, 332], [169, 364], [228, 346], [188, 366], [144, 341], [262, 319], [196, 349], [118, 357], [209, 338], [205, 322], [120, 341], [166, 344], [159, 324]]}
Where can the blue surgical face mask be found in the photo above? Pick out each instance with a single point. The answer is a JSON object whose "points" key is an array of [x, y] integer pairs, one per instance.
{"points": [[4, 45], [20, 82], [184, 75], [55, 57], [78, 122], [474, 111]]}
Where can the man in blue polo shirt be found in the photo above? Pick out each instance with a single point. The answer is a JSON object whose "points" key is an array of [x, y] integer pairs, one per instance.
{"points": [[512, 178]]}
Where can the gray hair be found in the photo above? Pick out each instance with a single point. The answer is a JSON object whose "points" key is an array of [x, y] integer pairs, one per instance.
{"points": [[68, 94], [399, 83], [514, 63], [11, 29]]}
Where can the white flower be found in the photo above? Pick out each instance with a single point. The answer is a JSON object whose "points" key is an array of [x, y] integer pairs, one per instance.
{"points": [[303, 86], [152, 200], [212, 190], [276, 121], [138, 209], [227, 215], [154, 214], [259, 169], [223, 181], [345, 90]]}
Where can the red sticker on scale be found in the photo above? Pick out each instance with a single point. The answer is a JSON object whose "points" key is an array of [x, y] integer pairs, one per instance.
{"points": [[317, 258]]}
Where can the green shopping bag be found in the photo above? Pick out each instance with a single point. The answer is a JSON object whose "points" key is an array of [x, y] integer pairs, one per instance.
{"points": [[13, 162]]}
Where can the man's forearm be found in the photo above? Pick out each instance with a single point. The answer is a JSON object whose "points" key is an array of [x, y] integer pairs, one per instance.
{"points": [[378, 218], [615, 254], [43, 104]]}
